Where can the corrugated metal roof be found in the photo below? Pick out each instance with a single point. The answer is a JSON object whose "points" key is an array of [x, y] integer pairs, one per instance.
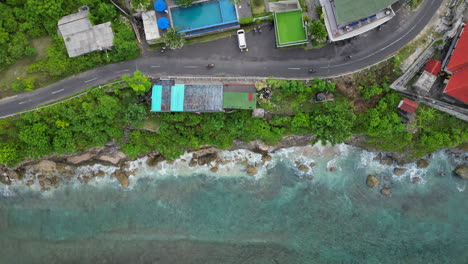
{"points": [[433, 67], [177, 97], [458, 85], [408, 105], [156, 98], [352, 10], [459, 57]]}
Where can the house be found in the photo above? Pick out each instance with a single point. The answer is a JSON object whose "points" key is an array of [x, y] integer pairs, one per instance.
{"points": [[345, 19], [428, 77], [455, 67], [408, 106], [169, 96], [81, 37], [150, 26]]}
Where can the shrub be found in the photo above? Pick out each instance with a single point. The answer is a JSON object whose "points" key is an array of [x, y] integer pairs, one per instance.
{"points": [[246, 20], [26, 84]]}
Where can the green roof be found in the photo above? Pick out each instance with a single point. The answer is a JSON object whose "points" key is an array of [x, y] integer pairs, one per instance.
{"points": [[238, 100], [352, 10]]}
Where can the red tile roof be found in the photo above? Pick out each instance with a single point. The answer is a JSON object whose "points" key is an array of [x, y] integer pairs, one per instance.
{"points": [[459, 57], [433, 67], [408, 105], [458, 85]]}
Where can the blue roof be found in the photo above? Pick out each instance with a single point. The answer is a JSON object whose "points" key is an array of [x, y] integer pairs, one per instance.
{"points": [[156, 98], [177, 97]]}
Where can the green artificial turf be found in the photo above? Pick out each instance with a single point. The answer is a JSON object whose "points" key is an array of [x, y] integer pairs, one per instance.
{"points": [[289, 27]]}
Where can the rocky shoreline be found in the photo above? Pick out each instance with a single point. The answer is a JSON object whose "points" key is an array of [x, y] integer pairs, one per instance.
{"points": [[54, 170]]}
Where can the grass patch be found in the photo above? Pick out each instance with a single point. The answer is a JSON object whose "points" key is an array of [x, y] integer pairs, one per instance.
{"points": [[258, 7], [20, 68], [151, 123]]}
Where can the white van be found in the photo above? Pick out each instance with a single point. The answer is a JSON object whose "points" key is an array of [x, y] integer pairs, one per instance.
{"points": [[241, 39]]}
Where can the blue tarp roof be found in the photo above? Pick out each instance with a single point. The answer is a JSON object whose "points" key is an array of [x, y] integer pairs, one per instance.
{"points": [[177, 97], [156, 98]]}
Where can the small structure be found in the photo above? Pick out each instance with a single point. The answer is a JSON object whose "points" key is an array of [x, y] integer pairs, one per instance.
{"points": [[408, 106], [239, 96], [150, 27], [455, 67], [428, 76], [81, 37], [349, 18], [168, 96]]}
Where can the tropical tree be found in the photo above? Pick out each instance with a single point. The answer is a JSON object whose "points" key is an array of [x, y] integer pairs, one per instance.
{"points": [[173, 39], [139, 83], [317, 30]]}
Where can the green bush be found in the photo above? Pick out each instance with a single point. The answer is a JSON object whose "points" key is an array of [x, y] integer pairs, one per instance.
{"points": [[23, 84], [246, 20]]}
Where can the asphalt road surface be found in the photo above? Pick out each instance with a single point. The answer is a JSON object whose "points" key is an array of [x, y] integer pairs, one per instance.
{"points": [[262, 60]]}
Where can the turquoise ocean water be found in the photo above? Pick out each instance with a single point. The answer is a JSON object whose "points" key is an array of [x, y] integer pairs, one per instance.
{"points": [[174, 214]]}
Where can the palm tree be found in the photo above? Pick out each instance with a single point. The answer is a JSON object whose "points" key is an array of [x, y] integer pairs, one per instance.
{"points": [[173, 39]]}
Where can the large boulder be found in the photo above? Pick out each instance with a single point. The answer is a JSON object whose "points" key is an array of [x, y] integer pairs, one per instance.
{"points": [[80, 158], [422, 163], [416, 180], [153, 161], [5, 179], [372, 181], [193, 163], [266, 157], [122, 178], [45, 167], [462, 171], [207, 158], [214, 169], [251, 170], [385, 191], [113, 158], [387, 160], [303, 167], [399, 171]]}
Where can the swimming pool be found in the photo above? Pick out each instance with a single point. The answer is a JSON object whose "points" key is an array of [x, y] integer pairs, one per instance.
{"points": [[204, 15]]}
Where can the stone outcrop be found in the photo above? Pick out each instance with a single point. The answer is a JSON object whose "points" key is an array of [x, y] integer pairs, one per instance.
{"points": [[422, 163], [399, 171], [387, 160], [251, 170], [87, 156], [114, 158], [385, 191], [415, 180], [207, 158], [266, 157], [45, 167], [5, 179], [214, 169], [193, 163], [122, 178], [154, 160], [461, 171], [372, 181], [303, 167]]}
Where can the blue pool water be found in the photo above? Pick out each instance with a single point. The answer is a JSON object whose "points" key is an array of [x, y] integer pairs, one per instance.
{"points": [[202, 15]]}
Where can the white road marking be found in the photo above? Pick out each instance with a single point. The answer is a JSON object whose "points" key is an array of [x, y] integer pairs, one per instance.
{"points": [[155, 66], [294, 68], [122, 71], [190, 66], [58, 91], [24, 102], [90, 80]]}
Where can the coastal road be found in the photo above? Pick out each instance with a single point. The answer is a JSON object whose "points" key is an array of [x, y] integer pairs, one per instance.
{"points": [[262, 60]]}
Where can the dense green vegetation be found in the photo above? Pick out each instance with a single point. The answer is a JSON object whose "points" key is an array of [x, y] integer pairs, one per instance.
{"points": [[173, 39], [102, 115], [317, 30], [22, 20]]}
